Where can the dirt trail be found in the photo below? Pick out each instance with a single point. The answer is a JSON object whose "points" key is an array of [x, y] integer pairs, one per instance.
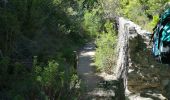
{"points": [[95, 84]]}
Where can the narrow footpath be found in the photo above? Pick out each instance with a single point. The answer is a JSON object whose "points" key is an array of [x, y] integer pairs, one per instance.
{"points": [[97, 86]]}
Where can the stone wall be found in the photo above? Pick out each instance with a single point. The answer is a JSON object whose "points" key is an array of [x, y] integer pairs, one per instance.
{"points": [[142, 76]]}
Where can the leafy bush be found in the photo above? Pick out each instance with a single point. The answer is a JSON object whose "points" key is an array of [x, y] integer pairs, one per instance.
{"points": [[105, 52], [49, 78], [143, 12], [45, 81], [92, 22], [55, 81], [51, 30]]}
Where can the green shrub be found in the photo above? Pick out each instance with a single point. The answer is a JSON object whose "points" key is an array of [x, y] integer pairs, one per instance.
{"points": [[105, 52], [92, 22], [142, 12]]}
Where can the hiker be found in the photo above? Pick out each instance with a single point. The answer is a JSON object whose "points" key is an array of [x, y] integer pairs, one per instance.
{"points": [[161, 37]]}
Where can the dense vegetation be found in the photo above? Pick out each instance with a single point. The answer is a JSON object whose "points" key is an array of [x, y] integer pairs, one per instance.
{"points": [[38, 38], [37, 41], [143, 12]]}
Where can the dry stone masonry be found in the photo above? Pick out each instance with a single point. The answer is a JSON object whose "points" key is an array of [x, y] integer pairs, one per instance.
{"points": [[142, 76]]}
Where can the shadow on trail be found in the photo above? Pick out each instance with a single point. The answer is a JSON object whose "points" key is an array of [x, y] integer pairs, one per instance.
{"points": [[97, 86]]}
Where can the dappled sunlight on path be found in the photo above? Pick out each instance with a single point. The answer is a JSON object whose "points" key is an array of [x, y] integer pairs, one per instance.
{"points": [[96, 87]]}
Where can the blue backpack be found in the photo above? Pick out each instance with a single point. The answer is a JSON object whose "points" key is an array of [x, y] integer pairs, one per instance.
{"points": [[161, 38]]}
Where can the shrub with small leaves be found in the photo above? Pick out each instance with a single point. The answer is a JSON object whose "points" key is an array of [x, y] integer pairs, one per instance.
{"points": [[105, 51]]}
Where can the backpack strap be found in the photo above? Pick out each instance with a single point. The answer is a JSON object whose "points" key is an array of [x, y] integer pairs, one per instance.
{"points": [[154, 31], [155, 28], [152, 36]]}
